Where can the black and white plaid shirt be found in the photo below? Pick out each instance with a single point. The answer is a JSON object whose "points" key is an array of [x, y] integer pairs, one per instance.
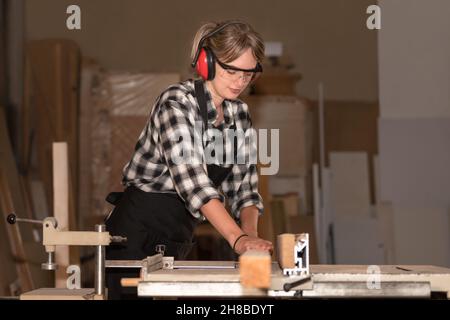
{"points": [[153, 169]]}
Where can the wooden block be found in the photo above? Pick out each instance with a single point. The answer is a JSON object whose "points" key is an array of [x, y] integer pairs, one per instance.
{"points": [[285, 250], [255, 269], [130, 282]]}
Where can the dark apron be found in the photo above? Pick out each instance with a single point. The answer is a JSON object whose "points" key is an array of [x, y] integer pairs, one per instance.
{"points": [[149, 219]]}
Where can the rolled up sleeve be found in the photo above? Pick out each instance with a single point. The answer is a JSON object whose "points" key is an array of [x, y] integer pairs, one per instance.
{"points": [[241, 189]]}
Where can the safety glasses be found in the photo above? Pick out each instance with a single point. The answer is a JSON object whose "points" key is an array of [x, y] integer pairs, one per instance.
{"points": [[234, 73]]}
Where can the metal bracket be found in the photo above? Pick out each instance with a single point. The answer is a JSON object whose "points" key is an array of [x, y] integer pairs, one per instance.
{"points": [[301, 257]]}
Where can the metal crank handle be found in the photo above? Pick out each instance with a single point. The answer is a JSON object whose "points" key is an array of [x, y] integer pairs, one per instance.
{"points": [[288, 286], [12, 219]]}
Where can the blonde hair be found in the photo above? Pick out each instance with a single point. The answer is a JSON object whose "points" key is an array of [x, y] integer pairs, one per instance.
{"points": [[230, 42]]}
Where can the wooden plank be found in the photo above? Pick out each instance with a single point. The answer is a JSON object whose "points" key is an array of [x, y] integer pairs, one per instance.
{"points": [[255, 269], [70, 93], [14, 201], [90, 77], [100, 146], [26, 119], [15, 238], [61, 185], [9, 272], [61, 178], [61, 207], [55, 73]]}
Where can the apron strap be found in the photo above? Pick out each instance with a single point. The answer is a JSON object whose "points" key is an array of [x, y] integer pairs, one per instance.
{"points": [[201, 98]]}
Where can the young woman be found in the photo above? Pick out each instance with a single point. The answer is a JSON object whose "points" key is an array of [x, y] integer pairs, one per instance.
{"points": [[166, 196]]}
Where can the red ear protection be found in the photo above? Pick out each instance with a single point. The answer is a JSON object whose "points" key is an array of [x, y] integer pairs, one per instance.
{"points": [[204, 62], [206, 65]]}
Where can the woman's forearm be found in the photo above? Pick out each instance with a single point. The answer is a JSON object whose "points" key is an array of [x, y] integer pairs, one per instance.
{"points": [[249, 220], [218, 216]]}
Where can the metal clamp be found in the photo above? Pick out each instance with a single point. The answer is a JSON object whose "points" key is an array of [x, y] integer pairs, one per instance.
{"points": [[301, 257]]}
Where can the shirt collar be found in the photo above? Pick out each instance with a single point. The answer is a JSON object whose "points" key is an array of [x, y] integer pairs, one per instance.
{"points": [[212, 111]]}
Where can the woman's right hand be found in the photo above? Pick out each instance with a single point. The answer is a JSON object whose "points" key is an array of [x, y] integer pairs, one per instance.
{"points": [[248, 242]]}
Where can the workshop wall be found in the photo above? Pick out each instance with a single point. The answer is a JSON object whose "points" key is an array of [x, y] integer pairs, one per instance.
{"points": [[414, 127], [326, 40]]}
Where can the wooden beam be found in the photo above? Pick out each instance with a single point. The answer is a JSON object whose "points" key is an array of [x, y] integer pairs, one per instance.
{"points": [[255, 269], [285, 250], [54, 69], [61, 207]]}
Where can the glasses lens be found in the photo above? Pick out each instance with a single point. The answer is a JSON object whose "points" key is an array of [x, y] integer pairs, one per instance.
{"points": [[233, 75]]}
